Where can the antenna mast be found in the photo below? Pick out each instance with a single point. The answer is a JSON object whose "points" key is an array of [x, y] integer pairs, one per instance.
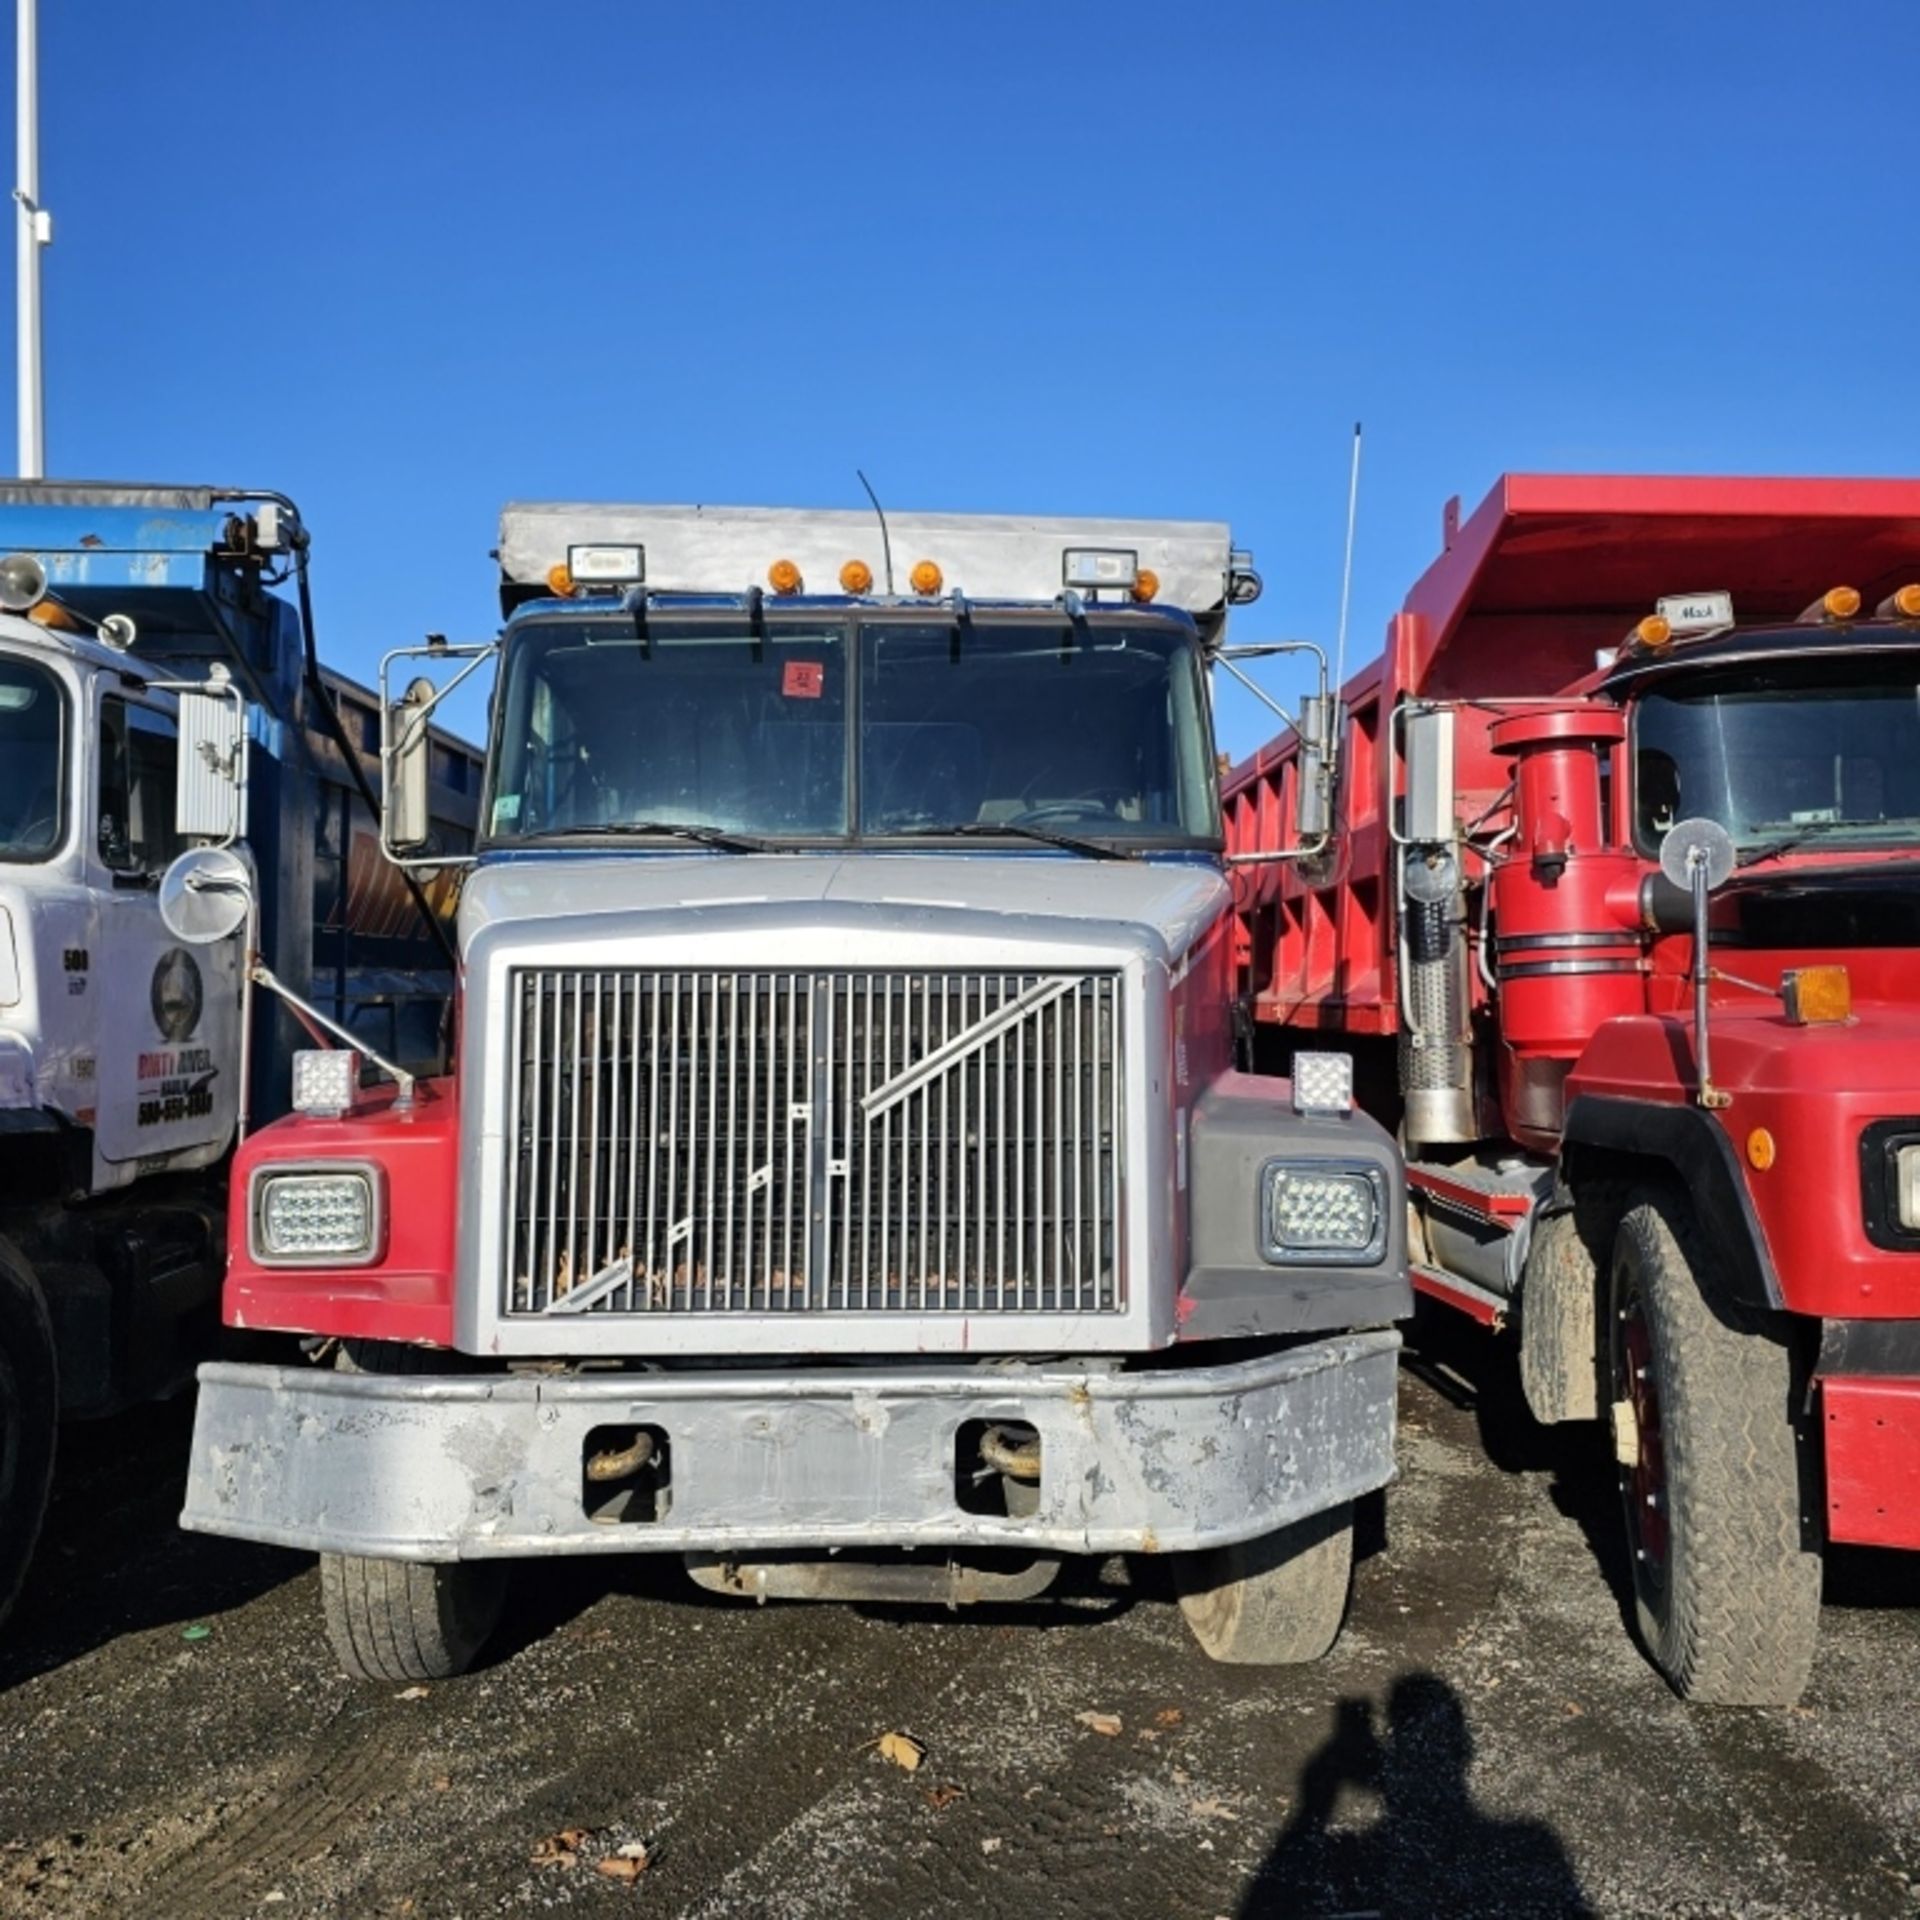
{"points": [[886, 539], [1346, 571], [34, 230]]}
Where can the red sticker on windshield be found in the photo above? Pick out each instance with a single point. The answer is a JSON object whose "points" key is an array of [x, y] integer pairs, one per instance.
{"points": [[803, 679]]}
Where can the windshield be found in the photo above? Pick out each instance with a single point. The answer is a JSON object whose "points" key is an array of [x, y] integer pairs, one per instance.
{"points": [[1099, 733], [1824, 751], [31, 734], [694, 726], [978, 725]]}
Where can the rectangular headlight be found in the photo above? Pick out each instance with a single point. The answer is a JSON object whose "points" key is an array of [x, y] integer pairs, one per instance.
{"points": [[1322, 1211], [1907, 1187], [314, 1216]]}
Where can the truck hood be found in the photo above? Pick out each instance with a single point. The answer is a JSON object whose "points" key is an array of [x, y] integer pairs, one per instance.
{"points": [[1161, 906]]}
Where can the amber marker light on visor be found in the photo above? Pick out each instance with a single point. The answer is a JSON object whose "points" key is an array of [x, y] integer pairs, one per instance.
{"points": [[560, 581], [925, 578], [1656, 630], [1902, 604], [1146, 584], [784, 577], [856, 577], [1837, 603], [1817, 996]]}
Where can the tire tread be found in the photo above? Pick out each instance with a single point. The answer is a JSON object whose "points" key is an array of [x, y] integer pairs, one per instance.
{"points": [[1743, 1610]]}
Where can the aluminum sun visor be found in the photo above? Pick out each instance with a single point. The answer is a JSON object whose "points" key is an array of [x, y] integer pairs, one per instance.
{"points": [[984, 556]]}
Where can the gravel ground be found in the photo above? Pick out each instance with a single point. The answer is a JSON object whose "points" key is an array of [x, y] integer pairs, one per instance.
{"points": [[1485, 1739]]}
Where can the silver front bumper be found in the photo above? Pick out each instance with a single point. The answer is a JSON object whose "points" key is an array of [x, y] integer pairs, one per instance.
{"points": [[482, 1466]]}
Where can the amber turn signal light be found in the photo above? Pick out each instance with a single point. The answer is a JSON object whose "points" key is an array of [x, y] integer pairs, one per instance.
{"points": [[1817, 996], [1761, 1151]]}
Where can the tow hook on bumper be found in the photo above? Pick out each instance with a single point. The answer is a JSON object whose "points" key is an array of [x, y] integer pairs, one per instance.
{"points": [[448, 1467]]}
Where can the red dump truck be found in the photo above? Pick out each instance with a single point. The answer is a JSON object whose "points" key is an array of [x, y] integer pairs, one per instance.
{"points": [[1618, 910]]}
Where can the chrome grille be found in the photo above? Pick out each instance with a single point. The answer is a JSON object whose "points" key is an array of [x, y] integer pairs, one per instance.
{"points": [[719, 1142]]}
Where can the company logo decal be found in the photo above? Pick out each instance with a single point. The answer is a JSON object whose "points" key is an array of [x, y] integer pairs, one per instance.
{"points": [[178, 994]]}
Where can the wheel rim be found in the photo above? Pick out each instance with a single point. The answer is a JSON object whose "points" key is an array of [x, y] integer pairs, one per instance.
{"points": [[1643, 1485]]}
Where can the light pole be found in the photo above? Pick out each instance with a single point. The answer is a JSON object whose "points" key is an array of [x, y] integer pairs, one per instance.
{"points": [[34, 229]]}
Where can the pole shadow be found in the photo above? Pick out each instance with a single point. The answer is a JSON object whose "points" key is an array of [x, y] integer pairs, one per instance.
{"points": [[1429, 1850]]}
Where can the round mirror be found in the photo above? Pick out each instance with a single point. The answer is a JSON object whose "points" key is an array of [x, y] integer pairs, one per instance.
{"points": [[1696, 843], [23, 582], [204, 895]]}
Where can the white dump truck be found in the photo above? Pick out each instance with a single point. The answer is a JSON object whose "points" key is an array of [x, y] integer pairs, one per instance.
{"points": [[157, 696]]}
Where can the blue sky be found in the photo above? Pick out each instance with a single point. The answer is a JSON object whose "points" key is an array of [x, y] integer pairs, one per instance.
{"points": [[406, 261]]}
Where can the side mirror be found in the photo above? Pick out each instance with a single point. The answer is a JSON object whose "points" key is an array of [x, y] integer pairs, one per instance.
{"points": [[204, 895], [1697, 851], [404, 760], [1313, 797], [210, 786], [1428, 755]]}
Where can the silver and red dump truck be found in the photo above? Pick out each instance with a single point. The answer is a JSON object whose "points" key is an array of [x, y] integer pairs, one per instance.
{"points": [[1621, 922], [844, 1181]]}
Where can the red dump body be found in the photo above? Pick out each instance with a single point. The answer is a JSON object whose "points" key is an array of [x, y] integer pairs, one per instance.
{"points": [[1579, 999]]}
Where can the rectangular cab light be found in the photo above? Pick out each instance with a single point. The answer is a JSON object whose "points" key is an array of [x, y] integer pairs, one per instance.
{"points": [[1095, 569], [325, 1079], [1323, 1083], [1696, 612], [607, 566]]}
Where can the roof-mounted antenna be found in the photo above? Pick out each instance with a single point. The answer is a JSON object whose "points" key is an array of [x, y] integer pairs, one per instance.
{"points": [[1346, 571], [886, 541]]}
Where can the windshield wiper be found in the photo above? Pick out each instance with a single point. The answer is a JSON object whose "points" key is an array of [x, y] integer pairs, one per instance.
{"points": [[717, 838], [1772, 849], [1000, 829]]}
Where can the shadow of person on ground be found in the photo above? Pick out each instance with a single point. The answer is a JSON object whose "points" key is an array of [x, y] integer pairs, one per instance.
{"points": [[1429, 1850]]}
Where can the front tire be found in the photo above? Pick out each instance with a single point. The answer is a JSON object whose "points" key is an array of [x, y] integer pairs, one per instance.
{"points": [[1726, 1581], [398, 1620], [29, 1410], [1275, 1601], [401, 1620]]}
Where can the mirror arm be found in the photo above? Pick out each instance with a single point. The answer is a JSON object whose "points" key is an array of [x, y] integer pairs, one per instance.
{"points": [[1312, 851], [311, 1017], [1700, 880], [1224, 657]]}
